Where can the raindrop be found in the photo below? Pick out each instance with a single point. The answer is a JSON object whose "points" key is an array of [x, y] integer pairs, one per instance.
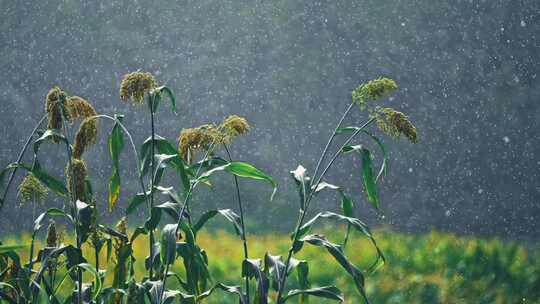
{"points": [[506, 139], [522, 23]]}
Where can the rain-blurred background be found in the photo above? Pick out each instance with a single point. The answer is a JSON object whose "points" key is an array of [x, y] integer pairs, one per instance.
{"points": [[468, 73]]}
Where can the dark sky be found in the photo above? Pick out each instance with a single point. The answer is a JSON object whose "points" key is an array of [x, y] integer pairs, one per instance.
{"points": [[467, 71]]}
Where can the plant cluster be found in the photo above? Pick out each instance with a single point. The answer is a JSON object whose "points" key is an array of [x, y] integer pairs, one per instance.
{"points": [[176, 267]]}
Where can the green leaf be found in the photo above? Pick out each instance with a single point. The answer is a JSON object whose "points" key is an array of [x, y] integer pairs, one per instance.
{"points": [[302, 271], [226, 213], [230, 289], [339, 256], [172, 209], [347, 205], [168, 244], [368, 179], [162, 146], [251, 268], [353, 222], [51, 211], [84, 215], [327, 292], [242, 169], [120, 271], [275, 266], [84, 266], [136, 201], [165, 90], [153, 221], [116, 144], [383, 171]]}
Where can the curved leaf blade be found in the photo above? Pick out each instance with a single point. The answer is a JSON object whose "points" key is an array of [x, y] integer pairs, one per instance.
{"points": [[242, 169], [327, 292], [368, 179], [116, 144]]}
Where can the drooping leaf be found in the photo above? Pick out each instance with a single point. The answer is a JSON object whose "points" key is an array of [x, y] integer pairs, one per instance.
{"points": [[154, 261], [162, 146], [49, 135], [163, 90], [138, 231], [369, 180], [97, 284], [226, 213], [242, 169], [339, 256], [251, 268], [84, 215], [116, 144], [327, 292], [347, 205], [353, 222], [168, 244], [153, 221], [324, 185], [230, 289], [136, 201], [302, 272], [170, 193], [172, 209], [276, 267], [383, 171], [207, 164]]}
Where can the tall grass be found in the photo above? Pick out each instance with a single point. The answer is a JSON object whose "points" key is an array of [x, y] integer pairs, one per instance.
{"points": [[109, 265]]}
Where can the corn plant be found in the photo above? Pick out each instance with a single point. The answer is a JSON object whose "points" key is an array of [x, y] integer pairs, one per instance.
{"points": [[171, 227]]}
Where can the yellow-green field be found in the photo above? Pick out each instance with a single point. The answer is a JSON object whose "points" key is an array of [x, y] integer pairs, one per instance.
{"points": [[433, 268]]}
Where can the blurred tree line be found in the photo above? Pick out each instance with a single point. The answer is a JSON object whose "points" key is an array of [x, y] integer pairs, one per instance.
{"points": [[467, 72]]}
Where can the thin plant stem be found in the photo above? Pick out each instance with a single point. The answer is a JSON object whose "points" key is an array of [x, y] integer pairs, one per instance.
{"points": [[19, 159], [152, 166], [325, 151], [31, 255], [240, 207], [308, 201]]}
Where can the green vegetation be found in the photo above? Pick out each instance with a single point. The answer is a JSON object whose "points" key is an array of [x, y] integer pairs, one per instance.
{"points": [[428, 269], [134, 273]]}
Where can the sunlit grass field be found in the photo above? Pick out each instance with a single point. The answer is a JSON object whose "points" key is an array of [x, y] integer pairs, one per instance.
{"points": [[432, 268]]}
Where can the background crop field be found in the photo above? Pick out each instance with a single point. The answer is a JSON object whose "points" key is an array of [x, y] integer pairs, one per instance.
{"points": [[431, 268]]}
